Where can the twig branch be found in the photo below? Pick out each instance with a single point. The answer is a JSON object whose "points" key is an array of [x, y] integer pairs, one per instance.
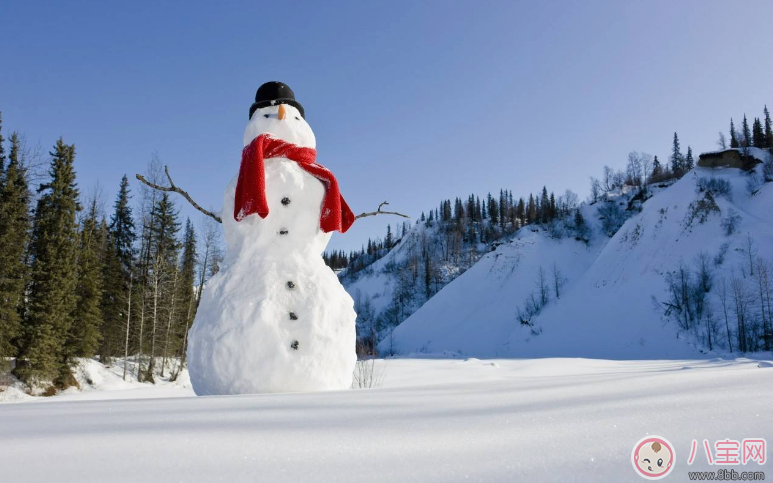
{"points": [[175, 189], [379, 212]]}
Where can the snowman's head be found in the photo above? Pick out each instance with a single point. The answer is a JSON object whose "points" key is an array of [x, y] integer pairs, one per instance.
{"points": [[284, 122]]}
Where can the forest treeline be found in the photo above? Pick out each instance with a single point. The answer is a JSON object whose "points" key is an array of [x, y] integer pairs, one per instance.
{"points": [[470, 220], [76, 282]]}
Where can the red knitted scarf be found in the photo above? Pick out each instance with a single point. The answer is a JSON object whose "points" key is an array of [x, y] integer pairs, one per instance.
{"points": [[251, 186]]}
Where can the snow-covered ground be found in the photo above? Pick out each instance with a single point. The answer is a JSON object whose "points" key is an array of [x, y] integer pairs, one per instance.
{"points": [[431, 420], [106, 382]]}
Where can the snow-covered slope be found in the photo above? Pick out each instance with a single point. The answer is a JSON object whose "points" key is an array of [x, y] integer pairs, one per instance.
{"points": [[388, 290], [611, 303], [477, 313], [377, 282]]}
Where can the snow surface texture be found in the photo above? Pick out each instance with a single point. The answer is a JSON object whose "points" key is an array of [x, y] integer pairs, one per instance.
{"points": [[448, 420], [610, 302], [106, 382], [275, 318]]}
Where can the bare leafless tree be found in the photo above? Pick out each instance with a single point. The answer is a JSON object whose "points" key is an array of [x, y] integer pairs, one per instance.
{"points": [[542, 287], [647, 161], [607, 180], [558, 281], [722, 294], [762, 277], [595, 189], [33, 161], [750, 252], [634, 169], [367, 373], [208, 265], [740, 295], [170, 318], [148, 201], [722, 141], [569, 201], [127, 326], [703, 272]]}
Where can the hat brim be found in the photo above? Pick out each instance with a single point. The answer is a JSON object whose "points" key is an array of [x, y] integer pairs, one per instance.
{"points": [[292, 102]]}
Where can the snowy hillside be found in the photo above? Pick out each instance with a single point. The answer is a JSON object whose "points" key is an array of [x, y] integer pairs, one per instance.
{"points": [[394, 286], [613, 293]]}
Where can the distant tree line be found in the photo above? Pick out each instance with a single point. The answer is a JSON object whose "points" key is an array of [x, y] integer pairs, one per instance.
{"points": [[470, 220], [760, 135]]}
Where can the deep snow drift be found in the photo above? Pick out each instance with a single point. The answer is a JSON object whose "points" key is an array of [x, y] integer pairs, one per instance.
{"points": [[613, 289], [433, 420]]}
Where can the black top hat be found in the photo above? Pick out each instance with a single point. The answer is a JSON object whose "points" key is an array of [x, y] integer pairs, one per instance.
{"points": [[273, 93]]}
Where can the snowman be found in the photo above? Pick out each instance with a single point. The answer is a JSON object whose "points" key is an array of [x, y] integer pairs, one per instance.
{"points": [[276, 318]]}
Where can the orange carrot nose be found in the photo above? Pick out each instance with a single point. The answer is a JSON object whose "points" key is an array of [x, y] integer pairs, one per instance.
{"points": [[282, 113]]}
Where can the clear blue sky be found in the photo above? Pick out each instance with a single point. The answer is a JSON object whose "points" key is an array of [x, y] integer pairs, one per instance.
{"points": [[410, 101]]}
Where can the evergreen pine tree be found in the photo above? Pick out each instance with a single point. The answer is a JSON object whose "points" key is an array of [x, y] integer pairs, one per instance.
{"points": [[493, 210], [2, 153], [85, 333], [746, 132], [768, 129], [758, 135], [503, 209], [579, 220], [520, 212], [733, 136], [186, 299], [657, 170], [458, 210], [689, 163], [531, 210], [14, 233], [676, 157], [113, 304], [52, 297], [388, 242], [163, 275], [122, 231], [544, 206], [118, 259], [553, 207]]}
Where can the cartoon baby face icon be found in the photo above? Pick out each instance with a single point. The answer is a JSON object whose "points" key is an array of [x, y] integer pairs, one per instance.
{"points": [[653, 457]]}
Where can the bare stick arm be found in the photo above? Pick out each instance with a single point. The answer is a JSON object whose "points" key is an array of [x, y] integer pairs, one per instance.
{"points": [[172, 188], [175, 189], [379, 212]]}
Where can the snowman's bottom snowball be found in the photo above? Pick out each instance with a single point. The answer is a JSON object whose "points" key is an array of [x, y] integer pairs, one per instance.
{"points": [[243, 340]]}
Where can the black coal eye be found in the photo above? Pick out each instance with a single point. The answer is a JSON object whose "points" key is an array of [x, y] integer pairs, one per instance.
{"points": [[660, 462], [265, 115], [647, 460], [297, 118]]}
